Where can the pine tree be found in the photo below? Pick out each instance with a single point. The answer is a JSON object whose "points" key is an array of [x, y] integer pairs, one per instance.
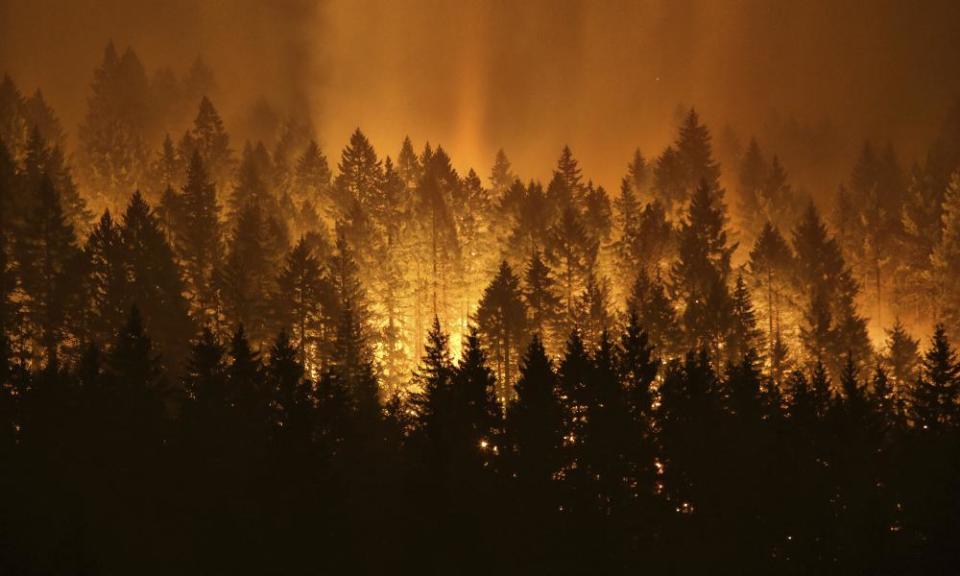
{"points": [[573, 381], [669, 182], [638, 366], [352, 358], [568, 169], [902, 365], [751, 179], [360, 174], [301, 293], [112, 136], [695, 155], [434, 378], [572, 255], [246, 278], [534, 422], [744, 336], [945, 255], [155, 285], [770, 270], [501, 318], [132, 360], [541, 301], [14, 126], [700, 275], [199, 242], [649, 302], [46, 254], [253, 183], [597, 215], [501, 175], [638, 173], [205, 379], [209, 138], [107, 279], [312, 178], [474, 402], [43, 161], [409, 168], [831, 327], [592, 314], [935, 395], [166, 171]]}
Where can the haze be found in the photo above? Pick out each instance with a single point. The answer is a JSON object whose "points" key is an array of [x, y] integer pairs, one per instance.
{"points": [[474, 76]]}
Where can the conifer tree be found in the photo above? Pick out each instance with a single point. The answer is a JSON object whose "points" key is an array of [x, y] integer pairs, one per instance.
{"points": [[501, 175], [901, 360], [107, 277], [351, 357], [199, 241], [247, 274], [568, 169], [474, 402], [638, 174], [695, 155], [946, 253], [112, 136], [166, 171], [541, 301], [312, 178], [700, 275], [534, 422], [669, 185], [649, 302], [744, 336], [638, 366], [572, 256], [831, 326], [46, 254], [770, 271], [573, 381], [360, 174], [155, 285], [434, 377], [289, 389], [592, 315], [934, 402], [501, 319], [208, 137], [301, 294]]}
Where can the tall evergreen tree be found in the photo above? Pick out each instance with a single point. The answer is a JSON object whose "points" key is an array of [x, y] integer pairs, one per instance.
{"points": [[541, 301], [936, 392], [770, 271], [155, 285], [649, 302], [46, 254], [302, 294], [107, 278], [501, 319], [112, 136], [199, 241], [700, 275], [208, 137]]}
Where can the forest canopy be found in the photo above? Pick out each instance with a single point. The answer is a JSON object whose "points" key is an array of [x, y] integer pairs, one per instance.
{"points": [[263, 355]]}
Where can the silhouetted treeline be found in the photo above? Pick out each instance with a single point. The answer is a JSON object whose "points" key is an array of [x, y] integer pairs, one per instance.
{"points": [[266, 364], [608, 461]]}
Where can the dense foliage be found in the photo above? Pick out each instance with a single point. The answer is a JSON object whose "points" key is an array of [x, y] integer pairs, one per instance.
{"points": [[257, 363]]}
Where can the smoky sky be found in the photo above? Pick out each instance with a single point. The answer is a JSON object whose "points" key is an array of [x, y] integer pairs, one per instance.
{"points": [[604, 77]]}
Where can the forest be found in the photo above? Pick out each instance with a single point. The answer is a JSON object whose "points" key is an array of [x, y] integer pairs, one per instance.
{"points": [[232, 357]]}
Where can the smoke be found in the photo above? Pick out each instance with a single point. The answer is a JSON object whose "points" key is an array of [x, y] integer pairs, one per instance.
{"points": [[811, 80]]}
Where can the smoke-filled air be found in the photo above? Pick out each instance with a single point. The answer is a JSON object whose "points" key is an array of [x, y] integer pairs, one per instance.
{"points": [[479, 287]]}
